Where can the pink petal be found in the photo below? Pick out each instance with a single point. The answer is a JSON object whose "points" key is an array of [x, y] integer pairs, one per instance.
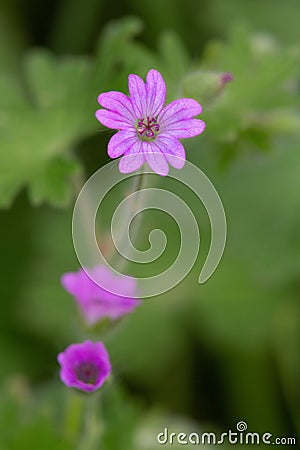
{"points": [[185, 128], [117, 102], [120, 142], [138, 95], [70, 282], [156, 93], [155, 158], [184, 108], [133, 159], [113, 120], [173, 150], [128, 285]]}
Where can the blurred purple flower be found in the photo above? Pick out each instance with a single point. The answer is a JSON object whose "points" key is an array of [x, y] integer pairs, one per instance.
{"points": [[225, 78], [149, 132], [84, 366], [95, 302]]}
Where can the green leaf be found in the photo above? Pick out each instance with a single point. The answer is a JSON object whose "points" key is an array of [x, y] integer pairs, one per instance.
{"points": [[41, 123], [54, 82], [53, 184], [118, 54]]}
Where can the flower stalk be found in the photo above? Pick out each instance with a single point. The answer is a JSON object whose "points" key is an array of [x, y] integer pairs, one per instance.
{"points": [[92, 424], [135, 204]]}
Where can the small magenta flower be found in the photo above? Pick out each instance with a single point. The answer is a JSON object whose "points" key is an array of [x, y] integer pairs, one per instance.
{"points": [[149, 132], [84, 366], [97, 303]]}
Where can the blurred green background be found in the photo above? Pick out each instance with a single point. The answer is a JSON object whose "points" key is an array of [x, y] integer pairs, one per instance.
{"points": [[201, 357]]}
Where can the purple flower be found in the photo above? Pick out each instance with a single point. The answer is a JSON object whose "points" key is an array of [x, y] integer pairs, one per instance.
{"points": [[149, 132], [95, 302], [84, 366]]}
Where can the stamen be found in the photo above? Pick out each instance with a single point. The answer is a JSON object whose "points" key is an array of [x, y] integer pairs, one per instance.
{"points": [[147, 127]]}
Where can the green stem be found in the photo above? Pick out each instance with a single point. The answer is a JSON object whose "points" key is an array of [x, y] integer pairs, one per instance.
{"points": [[135, 205], [139, 183], [92, 426], [73, 415]]}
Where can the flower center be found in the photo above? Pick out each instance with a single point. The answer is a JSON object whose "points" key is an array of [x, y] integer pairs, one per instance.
{"points": [[147, 128], [87, 372]]}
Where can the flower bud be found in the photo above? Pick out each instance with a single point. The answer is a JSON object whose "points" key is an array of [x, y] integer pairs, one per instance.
{"points": [[205, 85]]}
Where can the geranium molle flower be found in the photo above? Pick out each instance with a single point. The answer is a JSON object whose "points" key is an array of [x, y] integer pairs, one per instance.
{"points": [[96, 303], [84, 366], [148, 131]]}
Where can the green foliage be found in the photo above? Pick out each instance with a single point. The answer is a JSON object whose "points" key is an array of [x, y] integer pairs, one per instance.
{"points": [[118, 54], [53, 183], [262, 101], [35, 418], [54, 418], [41, 121]]}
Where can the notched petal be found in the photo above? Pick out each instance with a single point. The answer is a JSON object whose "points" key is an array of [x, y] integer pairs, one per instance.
{"points": [[132, 159], [181, 109], [113, 120], [173, 150], [138, 95], [156, 159], [117, 102], [185, 128], [120, 142], [156, 92]]}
